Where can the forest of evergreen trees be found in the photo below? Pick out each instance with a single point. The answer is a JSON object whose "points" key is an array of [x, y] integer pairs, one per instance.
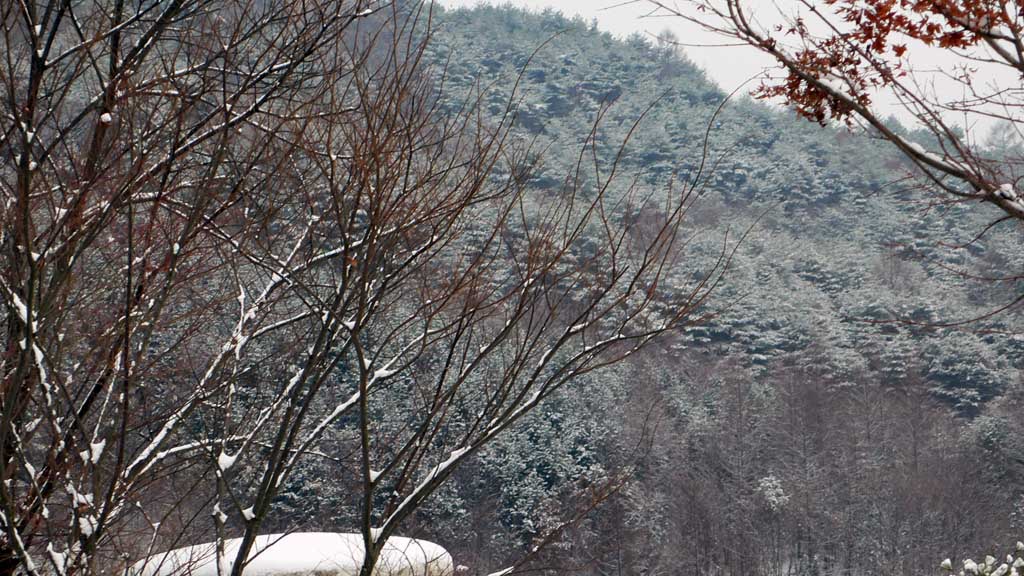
{"points": [[490, 278], [819, 421]]}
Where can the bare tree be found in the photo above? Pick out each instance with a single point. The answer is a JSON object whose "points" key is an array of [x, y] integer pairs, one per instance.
{"points": [[229, 228]]}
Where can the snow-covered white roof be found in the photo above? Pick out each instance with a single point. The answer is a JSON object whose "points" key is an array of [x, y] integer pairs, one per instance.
{"points": [[303, 554]]}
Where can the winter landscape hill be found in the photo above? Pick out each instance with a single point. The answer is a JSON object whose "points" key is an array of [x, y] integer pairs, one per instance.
{"points": [[821, 420], [485, 291]]}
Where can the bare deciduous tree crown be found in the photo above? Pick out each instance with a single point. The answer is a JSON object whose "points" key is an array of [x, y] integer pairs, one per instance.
{"points": [[231, 227]]}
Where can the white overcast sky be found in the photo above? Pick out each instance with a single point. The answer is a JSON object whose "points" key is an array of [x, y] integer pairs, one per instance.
{"points": [[731, 66]]}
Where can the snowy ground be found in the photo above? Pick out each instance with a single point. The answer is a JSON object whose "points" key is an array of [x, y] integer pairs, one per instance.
{"points": [[309, 553]]}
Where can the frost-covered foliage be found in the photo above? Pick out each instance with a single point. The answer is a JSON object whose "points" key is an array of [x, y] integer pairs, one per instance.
{"points": [[795, 427], [1010, 565], [770, 488]]}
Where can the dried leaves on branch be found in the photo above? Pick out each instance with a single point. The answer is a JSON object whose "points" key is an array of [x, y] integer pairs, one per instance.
{"points": [[840, 56]]}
